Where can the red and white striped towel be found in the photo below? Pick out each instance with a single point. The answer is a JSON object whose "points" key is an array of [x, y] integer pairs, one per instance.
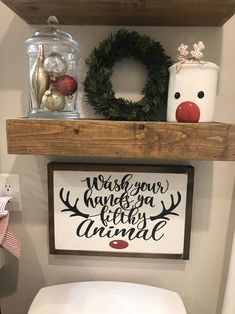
{"points": [[7, 239]]}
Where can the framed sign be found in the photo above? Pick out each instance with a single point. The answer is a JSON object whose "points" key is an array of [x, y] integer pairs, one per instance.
{"points": [[141, 211]]}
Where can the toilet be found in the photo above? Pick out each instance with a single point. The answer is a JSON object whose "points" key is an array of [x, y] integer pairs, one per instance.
{"points": [[106, 297]]}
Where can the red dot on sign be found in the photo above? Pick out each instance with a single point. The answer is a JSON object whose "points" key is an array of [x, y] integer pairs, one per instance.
{"points": [[118, 244], [187, 111]]}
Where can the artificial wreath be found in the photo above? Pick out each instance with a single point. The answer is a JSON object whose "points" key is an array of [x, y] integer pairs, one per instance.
{"points": [[98, 87]]}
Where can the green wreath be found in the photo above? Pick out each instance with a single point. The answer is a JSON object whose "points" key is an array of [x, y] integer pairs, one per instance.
{"points": [[98, 87]]}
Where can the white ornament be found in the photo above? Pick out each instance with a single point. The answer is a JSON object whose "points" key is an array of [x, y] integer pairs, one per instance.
{"points": [[55, 65]]}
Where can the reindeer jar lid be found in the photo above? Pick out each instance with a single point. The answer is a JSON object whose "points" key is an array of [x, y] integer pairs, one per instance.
{"points": [[192, 59]]}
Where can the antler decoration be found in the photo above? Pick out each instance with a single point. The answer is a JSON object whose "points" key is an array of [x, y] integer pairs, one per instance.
{"points": [[168, 211], [183, 50], [196, 54], [70, 208]]}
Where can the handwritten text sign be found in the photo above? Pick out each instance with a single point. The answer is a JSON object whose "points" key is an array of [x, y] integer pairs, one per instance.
{"points": [[143, 211]]}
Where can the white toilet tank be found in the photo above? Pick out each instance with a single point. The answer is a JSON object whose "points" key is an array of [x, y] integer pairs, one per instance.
{"points": [[106, 297]]}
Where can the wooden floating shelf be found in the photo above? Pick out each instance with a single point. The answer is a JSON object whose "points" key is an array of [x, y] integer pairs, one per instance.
{"points": [[126, 12], [122, 139]]}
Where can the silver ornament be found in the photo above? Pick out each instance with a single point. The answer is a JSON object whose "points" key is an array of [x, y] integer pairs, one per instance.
{"points": [[38, 77], [55, 65], [53, 101]]}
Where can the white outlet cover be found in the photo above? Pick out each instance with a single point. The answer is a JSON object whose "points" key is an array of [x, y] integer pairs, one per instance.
{"points": [[10, 186]]}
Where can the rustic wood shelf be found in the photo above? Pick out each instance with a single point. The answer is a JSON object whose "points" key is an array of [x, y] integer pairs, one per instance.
{"points": [[126, 12], [127, 139]]}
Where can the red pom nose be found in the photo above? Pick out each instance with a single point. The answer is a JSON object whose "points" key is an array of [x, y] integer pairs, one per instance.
{"points": [[118, 244], [187, 111]]}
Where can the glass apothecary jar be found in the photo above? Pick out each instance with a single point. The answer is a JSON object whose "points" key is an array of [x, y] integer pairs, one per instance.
{"points": [[53, 73]]}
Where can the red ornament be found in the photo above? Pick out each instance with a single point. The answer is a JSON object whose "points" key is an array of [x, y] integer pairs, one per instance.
{"points": [[187, 111], [118, 244], [66, 85]]}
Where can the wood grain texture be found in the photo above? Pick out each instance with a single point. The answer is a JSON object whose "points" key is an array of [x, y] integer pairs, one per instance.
{"points": [[103, 138], [126, 12]]}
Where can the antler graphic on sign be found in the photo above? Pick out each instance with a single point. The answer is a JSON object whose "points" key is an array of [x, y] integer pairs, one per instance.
{"points": [[168, 211], [70, 208]]}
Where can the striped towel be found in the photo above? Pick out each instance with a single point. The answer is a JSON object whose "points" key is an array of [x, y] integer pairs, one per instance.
{"points": [[7, 239]]}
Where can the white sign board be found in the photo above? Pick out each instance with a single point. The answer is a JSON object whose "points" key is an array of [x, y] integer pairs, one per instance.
{"points": [[120, 209]]}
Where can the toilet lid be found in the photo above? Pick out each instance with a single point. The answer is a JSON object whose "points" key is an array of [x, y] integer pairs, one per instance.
{"points": [[106, 297]]}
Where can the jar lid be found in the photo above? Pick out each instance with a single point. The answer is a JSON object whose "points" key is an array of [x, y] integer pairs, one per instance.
{"points": [[190, 64], [52, 34]]}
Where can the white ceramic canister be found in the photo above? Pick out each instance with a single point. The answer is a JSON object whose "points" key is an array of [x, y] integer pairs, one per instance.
{"points": [[192, 92]]}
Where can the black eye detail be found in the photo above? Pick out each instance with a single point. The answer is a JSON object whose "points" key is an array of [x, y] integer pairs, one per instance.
{"points": [[177, 95], [200, 94]]}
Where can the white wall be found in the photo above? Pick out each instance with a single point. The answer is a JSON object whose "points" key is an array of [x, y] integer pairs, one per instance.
{"points": [[201, 280]]}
